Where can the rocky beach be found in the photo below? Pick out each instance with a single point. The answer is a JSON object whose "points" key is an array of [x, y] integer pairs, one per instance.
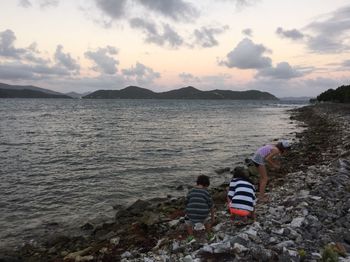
{"points": [[306, 219]]}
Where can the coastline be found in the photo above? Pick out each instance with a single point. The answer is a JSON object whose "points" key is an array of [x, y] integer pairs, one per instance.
{"points": [[309, 209]]}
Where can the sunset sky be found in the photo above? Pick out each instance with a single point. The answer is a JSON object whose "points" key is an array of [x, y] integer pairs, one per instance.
{"points": [[288, 48]]}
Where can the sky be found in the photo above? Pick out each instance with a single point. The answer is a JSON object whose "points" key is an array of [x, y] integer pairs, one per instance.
{"points": [[288, 48]]}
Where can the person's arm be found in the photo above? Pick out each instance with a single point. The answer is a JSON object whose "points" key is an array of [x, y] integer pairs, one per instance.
{"points": [[269, 158]]}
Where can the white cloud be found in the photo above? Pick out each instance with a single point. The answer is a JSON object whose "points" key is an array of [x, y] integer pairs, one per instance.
{"points": [[25, 3], [141, 74], [104, 61], [247, 55], [42, 3]]}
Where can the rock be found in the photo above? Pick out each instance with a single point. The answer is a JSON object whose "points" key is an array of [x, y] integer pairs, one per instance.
{"points": [[187, 258], [221, 247], [297, 222], [126, 254], [87, 226], [80, 253], [239, 248], [114, 241]]}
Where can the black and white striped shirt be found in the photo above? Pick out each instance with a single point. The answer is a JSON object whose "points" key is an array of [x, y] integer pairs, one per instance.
{"points": [[198, 205], [242, 194]]}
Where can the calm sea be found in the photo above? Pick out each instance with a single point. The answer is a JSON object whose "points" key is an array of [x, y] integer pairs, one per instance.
{"points": [[66, 162]]}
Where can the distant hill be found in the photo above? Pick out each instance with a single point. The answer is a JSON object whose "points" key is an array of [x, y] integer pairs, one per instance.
{"points": [[134, 92], [340, 95], [77, 95], [16, 91]]}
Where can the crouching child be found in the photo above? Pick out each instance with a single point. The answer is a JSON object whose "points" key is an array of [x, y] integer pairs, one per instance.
{"points": [[241, 197], [198, 206]]}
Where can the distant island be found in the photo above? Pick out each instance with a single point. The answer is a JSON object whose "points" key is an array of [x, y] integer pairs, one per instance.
{"points": [[16, 91], [134, 92]]}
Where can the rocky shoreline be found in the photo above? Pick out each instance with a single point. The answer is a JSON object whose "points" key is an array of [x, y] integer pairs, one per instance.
{"points": [[307, 219]]}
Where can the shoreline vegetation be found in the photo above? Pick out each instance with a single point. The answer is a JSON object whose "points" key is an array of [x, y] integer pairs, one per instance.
{"points": [[307, 218]]}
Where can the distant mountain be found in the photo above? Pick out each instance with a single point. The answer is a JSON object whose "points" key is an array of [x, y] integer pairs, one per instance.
{"points": [[27, 93], [134, 92], [16, 91], [77, 95]]}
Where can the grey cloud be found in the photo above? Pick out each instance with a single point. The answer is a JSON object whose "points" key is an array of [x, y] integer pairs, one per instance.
{"points": [[174, 9], [141, 74], [294, 34], [25, 3], [113, 8], [7, 48], [282, 71], [169, 36], [331, 35], [247, 55], [104, 62], [248, 32], [65, 59], [49, 3], [346, 63], [205, 37], [20, 71], [189, 78]]}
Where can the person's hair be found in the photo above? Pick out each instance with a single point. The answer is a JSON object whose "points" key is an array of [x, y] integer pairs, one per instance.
{"points": [[281, 148], [203, 180], [241, 172]]}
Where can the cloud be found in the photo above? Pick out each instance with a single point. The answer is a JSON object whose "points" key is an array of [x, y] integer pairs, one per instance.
{"points": [[7, 48], [205, 37], [282, 71], [178, 10], [49, 3], [189, 78], [168, 37], [247, 32], [25, 3], [330, 34], [247, 55], [346, 63], [66, 60], [115, 9], [141, 74], [42, 3], [20, 71], [293, 34], [104, 61]]}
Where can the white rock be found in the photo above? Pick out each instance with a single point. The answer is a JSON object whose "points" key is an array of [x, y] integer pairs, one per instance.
{"points": [[285, 244], [316, 255], [297, 222], [174, 223], [146, 259], [126, 254], [221, 247], [238, 248], [251, 232], [303, 193], [315, 197], [207, 248], [217, 227], [187, 258]]}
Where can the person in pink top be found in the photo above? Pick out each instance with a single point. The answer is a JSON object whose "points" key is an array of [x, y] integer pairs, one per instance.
{"points": [[265, 155]]}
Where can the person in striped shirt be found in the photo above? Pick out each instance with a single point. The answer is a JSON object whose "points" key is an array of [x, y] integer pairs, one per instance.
{"points": [[241, 195], [198, 206]]}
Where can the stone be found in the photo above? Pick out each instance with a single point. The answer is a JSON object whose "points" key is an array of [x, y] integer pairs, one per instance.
{"points": [[297, 222], [239, 248], [187, 258]]}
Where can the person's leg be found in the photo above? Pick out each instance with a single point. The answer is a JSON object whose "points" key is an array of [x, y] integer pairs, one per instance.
{"points": [[262, 182]]}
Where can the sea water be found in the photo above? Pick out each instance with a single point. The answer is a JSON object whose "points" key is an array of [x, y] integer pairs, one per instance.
{"points": [[64, 162]]}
